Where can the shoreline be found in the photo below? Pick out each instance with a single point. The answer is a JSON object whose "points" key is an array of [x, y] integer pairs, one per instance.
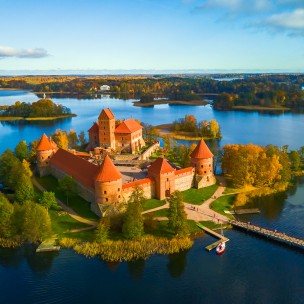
{"points": [[10, 118], [171, 102], [259, 108]]}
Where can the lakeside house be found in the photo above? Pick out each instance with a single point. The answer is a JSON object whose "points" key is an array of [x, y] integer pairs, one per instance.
{"points": [[105, 87]]}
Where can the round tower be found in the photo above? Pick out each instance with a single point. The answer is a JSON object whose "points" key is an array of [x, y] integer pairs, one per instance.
{"points": [[108, 184], [202, 161], [44, 151]]}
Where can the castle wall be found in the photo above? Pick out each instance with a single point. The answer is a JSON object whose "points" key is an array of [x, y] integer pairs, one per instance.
{"points": [[146, 184], [184, 179], [86, 193], [146, 155]]}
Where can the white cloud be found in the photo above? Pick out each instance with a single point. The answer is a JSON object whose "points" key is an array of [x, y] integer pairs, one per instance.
{"points": [[237, 5], [6, 51], [290, 21]]}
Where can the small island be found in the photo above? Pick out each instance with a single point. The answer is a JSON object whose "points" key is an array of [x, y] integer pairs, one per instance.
{"points": [[188, 128], [43, 109]]}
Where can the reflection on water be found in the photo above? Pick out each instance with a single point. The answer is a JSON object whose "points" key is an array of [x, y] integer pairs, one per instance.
{"points": [[41, 263], [136, 269], [177, 264]]}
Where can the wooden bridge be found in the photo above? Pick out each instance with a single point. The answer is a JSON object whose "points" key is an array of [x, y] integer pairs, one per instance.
{"points": [[272, 234]]}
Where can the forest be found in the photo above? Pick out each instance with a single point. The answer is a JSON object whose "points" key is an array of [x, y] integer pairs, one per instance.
{"points": [[264, 90]]}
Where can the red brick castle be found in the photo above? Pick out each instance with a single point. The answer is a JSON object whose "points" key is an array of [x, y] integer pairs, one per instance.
{"points": [[103, 185]]}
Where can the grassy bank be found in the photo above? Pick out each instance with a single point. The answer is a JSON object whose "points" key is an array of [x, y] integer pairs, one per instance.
{"points": [[260, 108], [12, 118], [118, 251], [223, 203], [152, 203]]}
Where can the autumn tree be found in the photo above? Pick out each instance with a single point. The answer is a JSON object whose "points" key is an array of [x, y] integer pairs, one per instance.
{"points": [[177, 215], [133, 224], [73, 139], [36, 222], [251, 165], [102, 230], [48, 200], [61, 139]]}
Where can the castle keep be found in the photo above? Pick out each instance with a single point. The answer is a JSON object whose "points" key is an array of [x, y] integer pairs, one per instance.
{"points": [[103, 185], [123, 137]]}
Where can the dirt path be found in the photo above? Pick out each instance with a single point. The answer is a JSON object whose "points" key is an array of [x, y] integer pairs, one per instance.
{"points": [[67, 209]]}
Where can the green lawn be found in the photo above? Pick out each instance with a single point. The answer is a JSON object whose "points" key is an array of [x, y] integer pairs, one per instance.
{"points": [[198, 196], [87, 235], [77, 203], [152, 203], [159, 213], [223, 203], [62, 222]]}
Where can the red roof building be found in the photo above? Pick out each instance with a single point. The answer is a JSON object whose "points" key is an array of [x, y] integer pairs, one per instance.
{"points": [[46, 144], [201, 151], [128, 126], [160, 166], [107, 171]]}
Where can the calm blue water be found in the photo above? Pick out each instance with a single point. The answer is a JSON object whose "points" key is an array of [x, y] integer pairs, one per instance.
{"points": [[253, 270], [237, 127]]}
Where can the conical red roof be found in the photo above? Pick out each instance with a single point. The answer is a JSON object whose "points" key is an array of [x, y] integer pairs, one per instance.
{"points": [[201, 151], [107, 172], [160, 166], [45, 144]]}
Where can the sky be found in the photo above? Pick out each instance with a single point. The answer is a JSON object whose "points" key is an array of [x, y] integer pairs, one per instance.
{"points": [[168, 35]]}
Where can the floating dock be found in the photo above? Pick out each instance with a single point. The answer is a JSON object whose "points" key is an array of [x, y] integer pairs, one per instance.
{"points": [[48, 245], [215, 234]]}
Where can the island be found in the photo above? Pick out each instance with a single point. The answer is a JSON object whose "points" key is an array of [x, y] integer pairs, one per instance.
{"points": [[43, 109]]}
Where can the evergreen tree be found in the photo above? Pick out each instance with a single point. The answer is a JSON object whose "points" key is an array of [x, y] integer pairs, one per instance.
{"points": [[295, 159], [21, 150], [133, 226], [177, 215], [68, 186]]}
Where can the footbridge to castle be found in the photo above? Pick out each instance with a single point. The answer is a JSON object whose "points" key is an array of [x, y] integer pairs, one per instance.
{"points": [[268, 233]]}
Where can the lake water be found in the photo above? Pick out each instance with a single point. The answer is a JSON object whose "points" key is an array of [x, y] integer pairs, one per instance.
{"points": [[237, 127], [252, 270]]}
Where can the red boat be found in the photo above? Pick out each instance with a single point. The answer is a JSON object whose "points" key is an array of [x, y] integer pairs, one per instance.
{"points": [[220, 249]]}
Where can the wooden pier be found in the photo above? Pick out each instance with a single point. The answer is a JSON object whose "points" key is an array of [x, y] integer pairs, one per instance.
{"points": [[215, 234], [272, 234], [243, 211], [48, 245]]}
